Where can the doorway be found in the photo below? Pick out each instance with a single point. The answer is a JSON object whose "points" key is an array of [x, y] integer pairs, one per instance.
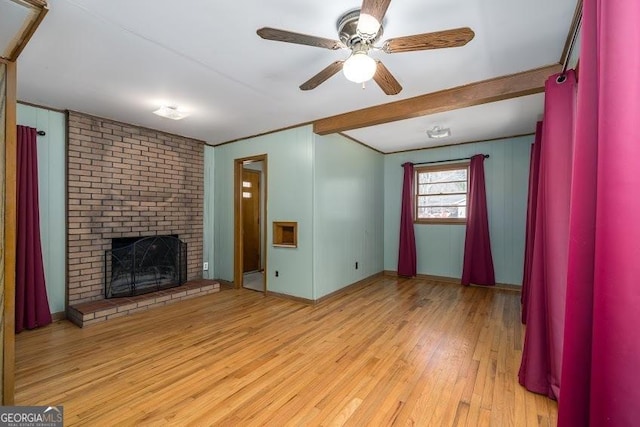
{"points": [[251, 253], [250, 223]]}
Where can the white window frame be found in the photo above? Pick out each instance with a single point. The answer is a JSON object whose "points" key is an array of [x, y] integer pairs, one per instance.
{"points": [[416, 194]]}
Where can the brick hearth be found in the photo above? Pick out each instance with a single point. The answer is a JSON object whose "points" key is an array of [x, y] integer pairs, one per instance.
{"points": [[88, 313], [127, 181]]}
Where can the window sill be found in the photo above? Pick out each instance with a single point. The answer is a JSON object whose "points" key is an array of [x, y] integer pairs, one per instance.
{"points": [[442, 221]]}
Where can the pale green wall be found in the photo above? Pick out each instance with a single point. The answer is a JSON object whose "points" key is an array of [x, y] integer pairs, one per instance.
{"points": [[440, 247], [51, 183], [345, 198], [289, 198], [348, 213], [209, 212]]}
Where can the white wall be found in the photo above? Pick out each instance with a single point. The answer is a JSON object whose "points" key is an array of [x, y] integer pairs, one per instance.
{"points": [[348, 213], [440, 247], [51, 186]]}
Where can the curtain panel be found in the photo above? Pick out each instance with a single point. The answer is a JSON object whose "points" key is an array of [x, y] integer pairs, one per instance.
{"points": [[32, 305], [530, 227], [600, 377], [407, 259], [540, 368], [477, 267]]}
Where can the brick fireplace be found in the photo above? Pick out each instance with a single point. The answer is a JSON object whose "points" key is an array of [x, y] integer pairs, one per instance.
{"points": [[127, 181]]}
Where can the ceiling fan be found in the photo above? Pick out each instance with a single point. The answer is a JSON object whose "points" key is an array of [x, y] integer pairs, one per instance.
{"points": [[358, 31]]}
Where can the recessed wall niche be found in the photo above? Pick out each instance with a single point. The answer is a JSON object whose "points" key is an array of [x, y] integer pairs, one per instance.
{"points": [[285, 234]]}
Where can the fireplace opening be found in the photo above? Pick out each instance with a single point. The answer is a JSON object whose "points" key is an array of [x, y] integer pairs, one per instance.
{"points": [[138, 265]]}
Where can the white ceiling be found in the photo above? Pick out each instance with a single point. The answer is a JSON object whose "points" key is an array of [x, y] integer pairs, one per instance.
{"points": [[122, 59], [517, 116]]}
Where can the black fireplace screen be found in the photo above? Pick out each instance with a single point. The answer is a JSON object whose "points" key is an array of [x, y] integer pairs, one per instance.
{"points": [[149, 264]]}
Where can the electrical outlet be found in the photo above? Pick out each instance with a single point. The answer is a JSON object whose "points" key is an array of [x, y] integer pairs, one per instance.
{"points": [[356, 265], [205, 266]]}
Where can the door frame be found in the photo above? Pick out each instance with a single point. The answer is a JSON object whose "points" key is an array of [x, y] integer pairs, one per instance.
{"points": [[8, 276], [237, 218]]}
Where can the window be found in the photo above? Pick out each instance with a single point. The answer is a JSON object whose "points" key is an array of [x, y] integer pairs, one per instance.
{"points": [[441, 193]]}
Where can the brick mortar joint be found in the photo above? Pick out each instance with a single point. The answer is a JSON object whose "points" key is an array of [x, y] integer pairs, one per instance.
{"points": [[72, 114], [175, 151]]}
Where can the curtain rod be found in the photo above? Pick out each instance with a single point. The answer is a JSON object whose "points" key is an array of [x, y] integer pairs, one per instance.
{"points": [[486, 156], [574, 36], [41, 133]]}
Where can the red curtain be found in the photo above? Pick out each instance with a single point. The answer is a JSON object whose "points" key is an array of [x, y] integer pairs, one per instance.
{"points": [[542, 353], [407, 265], [600, 376], [532, 202], [478, 263], [32, 306]]}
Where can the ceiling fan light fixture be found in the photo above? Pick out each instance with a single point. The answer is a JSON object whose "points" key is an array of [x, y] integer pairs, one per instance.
{"points": [[368, 26], [171, 112], [359, 67], [359, 30], [438, 132]]}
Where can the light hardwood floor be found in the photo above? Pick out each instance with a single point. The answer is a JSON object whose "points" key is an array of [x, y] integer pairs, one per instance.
{"points": [[396, 352]]}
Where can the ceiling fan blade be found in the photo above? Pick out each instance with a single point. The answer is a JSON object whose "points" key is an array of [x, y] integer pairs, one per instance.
{"points": [[297, 38], [322, 76], [437, 40], [386, 81], [375, 8]]}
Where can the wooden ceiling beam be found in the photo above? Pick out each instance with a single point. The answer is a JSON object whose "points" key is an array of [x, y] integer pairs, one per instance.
{"points": [[492, 90], [35, 12]]}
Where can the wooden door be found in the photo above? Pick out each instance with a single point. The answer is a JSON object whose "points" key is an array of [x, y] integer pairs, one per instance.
{"points": [[250, 220]]}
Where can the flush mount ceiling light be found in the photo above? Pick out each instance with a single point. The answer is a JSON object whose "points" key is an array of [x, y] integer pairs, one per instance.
{"points": [[170, 112], [359, 67], [438, 132]]}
